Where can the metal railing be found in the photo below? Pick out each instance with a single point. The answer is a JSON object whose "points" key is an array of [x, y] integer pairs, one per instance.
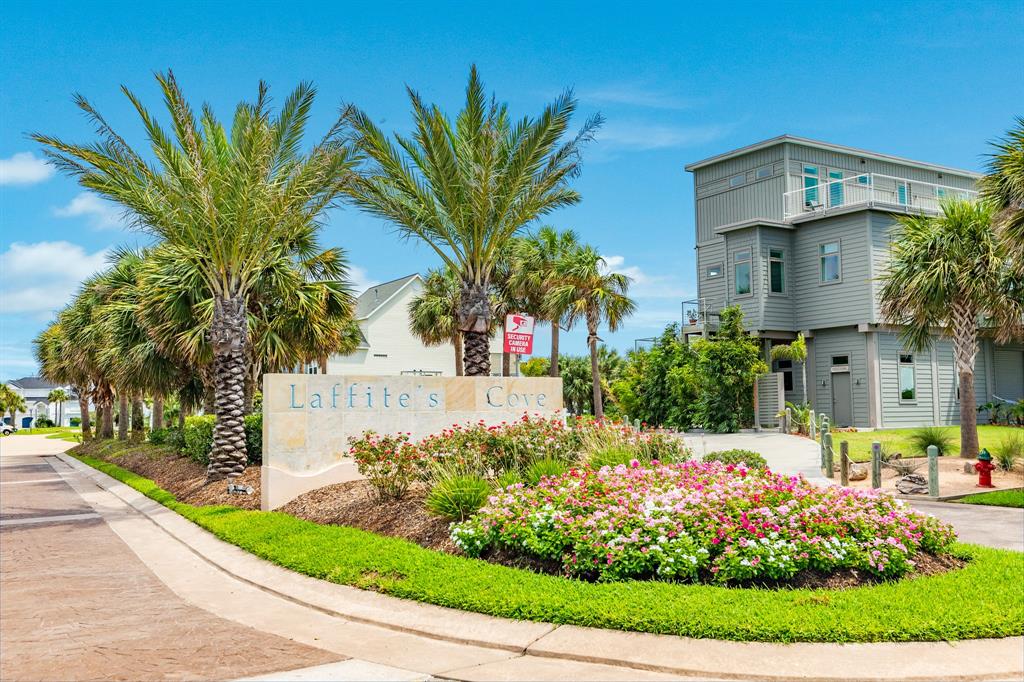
{"points": [[869, 189]]}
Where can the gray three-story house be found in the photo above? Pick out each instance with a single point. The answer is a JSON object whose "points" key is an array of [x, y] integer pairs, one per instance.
{"points": [[797, 233]]}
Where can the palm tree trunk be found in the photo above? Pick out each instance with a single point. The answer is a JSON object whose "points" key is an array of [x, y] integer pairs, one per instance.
{"points": [[595, 372], [228, 336], [459, 369], [158, 411], [122, 415], [104, 398], [803, 380], [965, 351], [83, 409], [182, 413], [474, 323], [553, 367], [138, 418], [506, 364]]}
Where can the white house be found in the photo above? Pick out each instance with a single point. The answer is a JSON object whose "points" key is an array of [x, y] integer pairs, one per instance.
{"points": [[36, 392], [388, 348]]}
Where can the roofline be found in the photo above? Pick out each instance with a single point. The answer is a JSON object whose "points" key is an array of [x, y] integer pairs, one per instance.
{"points": [[410, 279], [829, 146], [753, 222]]}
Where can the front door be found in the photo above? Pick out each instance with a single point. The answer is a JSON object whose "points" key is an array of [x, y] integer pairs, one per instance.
{"points": [[842, 398]]}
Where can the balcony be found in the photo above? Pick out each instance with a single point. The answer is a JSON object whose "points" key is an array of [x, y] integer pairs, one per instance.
{"points": [[868, 190]]}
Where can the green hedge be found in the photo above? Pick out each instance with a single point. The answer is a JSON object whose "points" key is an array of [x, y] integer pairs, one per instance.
{"points": [[948, 606], [197, 437]]}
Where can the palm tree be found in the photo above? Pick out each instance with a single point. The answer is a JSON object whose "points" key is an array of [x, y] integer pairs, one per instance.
{"points": [[58, 396], [466, 187], [227, 202], [537, 257], [948, 272], [59, 363], [587, 291], [1004, 186], [433, 314], [84, 339], [12, 402], [795, 352]]}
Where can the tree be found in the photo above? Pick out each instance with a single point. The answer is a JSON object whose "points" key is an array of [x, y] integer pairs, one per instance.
{"points": [[657, 385], [577, 384], [226, 203], [58, 396], [59, 363], [11, 402], [535, 367], [724, 373], [536, 259], [948, 273], [433, 314], [588, 292], [795, 352], [1004, 187], [468, 186]]}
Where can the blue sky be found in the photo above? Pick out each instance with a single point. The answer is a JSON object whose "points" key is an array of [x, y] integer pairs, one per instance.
{"points": [[676, 82]]}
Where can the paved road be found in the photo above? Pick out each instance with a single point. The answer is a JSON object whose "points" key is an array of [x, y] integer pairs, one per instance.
{"points": [[78, 604]]}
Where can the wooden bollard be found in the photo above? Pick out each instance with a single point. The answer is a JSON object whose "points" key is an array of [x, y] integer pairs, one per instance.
{"points": [[812, 428], [830, 470], [825, 432], [844, 463], [876, 465], [933, 471], [788, 428]]}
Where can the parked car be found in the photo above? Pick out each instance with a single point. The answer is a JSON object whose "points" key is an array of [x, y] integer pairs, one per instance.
{"points": [[8, 429]]}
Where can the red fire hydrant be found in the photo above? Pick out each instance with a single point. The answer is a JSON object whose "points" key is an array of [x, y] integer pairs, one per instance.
{"points": [[984, 468]]}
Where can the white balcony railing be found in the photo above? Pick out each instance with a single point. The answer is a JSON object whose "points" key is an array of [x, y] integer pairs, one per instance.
{"points": [[868, 189]]}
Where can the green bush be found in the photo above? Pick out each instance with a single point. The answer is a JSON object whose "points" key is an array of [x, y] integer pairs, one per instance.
{"points": [[198, 437], [1009, 450], [254, 437], [158, 436], [612, 456], [76, 421], [925, 436], [543, 467], [42, 423], [458, 497], [507, 478], [737, 456]]}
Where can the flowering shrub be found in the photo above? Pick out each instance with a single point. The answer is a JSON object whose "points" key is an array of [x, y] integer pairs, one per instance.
{"points": [[602, 436], [737, 456], [390, 463], [700, 521]]}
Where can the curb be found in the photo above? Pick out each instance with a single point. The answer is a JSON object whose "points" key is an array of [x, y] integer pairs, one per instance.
{"points": [[979, 659]]}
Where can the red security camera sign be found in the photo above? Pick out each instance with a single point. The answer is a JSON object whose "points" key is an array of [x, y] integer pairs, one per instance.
{"points": [[518, 334]]}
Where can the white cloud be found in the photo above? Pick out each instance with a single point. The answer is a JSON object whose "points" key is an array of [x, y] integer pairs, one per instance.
{"points": [[644, 284], [631, 94], [24, 168], [101, 214], [361, 280], [41, 277], [638, 136]]}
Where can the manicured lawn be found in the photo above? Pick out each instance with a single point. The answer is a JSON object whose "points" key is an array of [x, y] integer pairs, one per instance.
{"points": [[899, 440], [998, 498], [47, 431], [940, 607]]}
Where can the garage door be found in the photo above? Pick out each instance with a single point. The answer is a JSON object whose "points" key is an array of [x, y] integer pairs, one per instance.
{"points": [[1009, 374]]}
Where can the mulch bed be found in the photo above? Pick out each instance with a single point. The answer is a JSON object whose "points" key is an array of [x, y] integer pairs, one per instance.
{"points": [[355, 504]]}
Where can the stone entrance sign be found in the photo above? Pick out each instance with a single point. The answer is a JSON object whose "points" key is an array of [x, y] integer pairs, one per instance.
{"points": [[308, 418]]}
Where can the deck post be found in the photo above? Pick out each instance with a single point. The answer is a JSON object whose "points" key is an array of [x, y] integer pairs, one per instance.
{"points": [[876, 465], [844, 463], [933, 471]]}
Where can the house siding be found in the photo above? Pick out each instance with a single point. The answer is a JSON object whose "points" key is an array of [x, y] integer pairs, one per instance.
{"points": [[847, 301], [713, 290], [735, 242], [777, 308], [1008, 372], [897, 412], [843, 341], [758, 199]]}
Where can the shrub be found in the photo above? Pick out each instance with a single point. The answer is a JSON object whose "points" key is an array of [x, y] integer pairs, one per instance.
{"points": [[42, 423], [925, 436], [645, 446], [458, 497], [197, 437], [254, 437], [75, 421], [1009, 451], [701, 521], [542, 468], [158, 436], [390, 463], [610, 456], [508, 478], [737, 456]]}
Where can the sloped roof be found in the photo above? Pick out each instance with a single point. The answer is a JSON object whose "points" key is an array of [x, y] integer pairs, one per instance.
{"points": [[33, 383], [374, 297]]}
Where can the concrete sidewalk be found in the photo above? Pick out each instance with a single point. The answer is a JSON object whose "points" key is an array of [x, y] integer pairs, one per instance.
{"points": [[420, 639]]}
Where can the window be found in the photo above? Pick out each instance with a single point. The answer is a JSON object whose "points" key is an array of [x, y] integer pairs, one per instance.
{"points": [[864, 179], [835, 188], [737, 180], [786, 367], [810, 186], [742, 270], [714, 271], [831, 262], [776, 271], [840, 360], [902, 192], [907, 378], [765, 172]]}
